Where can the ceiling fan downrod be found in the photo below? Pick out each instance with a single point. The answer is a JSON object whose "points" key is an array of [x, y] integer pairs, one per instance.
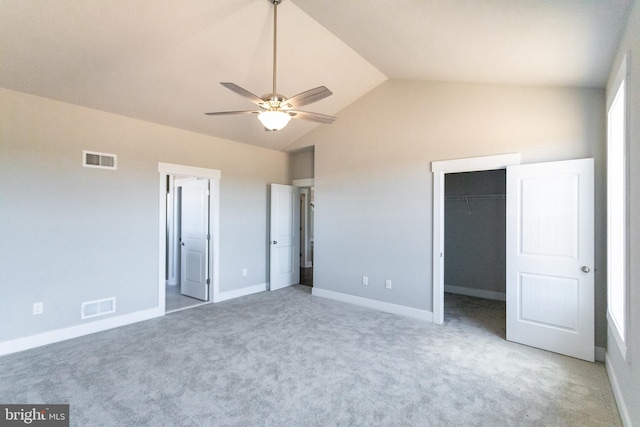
{"points": [[275, 40]]}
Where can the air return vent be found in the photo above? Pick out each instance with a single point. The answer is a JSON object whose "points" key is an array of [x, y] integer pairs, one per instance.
{"points": [[98, 307], [91, 159]]}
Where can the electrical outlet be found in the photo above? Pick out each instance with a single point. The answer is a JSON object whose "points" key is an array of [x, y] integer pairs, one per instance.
{"points": [[244, 272], [38, 308], [387, 284], [365, 280]]}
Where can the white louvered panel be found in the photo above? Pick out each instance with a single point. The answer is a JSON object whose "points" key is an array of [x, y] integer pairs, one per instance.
{"points": [[550, 232]]}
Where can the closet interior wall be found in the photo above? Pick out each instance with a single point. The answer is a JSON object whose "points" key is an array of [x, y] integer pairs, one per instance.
{"points": [[475, 233]]}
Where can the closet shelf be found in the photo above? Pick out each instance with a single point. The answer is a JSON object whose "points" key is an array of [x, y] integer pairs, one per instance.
{"points": [[478, 197]]}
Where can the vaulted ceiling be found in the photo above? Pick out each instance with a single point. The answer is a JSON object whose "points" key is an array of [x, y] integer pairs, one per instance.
{"points": [[162, 61]]}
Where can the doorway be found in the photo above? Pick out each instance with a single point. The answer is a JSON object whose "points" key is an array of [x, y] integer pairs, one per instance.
{"points": [[189, 230], [306, 236], [439, 170], [307, 206], [475, 249]]}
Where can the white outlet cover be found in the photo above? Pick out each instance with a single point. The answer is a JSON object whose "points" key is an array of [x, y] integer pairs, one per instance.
{"points": [[365, 280], [387, 284], [38, 307]]}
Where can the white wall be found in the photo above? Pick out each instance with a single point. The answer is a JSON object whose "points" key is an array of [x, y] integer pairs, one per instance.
{"points": [[374, 187], [72, 234], [625, 374]]}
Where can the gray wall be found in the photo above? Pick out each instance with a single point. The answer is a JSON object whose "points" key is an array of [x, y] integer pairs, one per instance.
{"points": [[373, 182], [72, 234], [627, 372], [302, 164], [475, 235]]}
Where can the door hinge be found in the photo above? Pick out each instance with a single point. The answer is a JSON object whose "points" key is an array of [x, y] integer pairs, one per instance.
{"points": [[208, 281], [208, 236]]}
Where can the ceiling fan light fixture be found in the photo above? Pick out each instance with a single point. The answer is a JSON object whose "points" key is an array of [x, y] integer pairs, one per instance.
{"points": [[274, 120], [276, 110]]}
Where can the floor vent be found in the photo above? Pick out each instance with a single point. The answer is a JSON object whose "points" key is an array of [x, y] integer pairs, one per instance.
{"points": [[92, 159], [98, 307]]}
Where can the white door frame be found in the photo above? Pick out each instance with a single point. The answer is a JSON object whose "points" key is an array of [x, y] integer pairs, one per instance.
{"points": [[168, 169], [439, 169]]}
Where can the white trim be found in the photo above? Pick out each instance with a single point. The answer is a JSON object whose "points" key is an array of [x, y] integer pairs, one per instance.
{"points": [[439, 169], [168, 169], [214, 229], [617, 394], [171, 169], [308, 182], [472, 164], [162, 254], [236, 293], [600, 354], [33, 341], [619, 325], [478, 293], [374, 304], [613, 330]]}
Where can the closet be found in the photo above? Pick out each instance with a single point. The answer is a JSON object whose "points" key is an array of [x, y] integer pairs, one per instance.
{"points": [[475, 234]]}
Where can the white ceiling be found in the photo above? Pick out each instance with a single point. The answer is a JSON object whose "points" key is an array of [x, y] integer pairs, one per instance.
{"points": [[162, 61]]}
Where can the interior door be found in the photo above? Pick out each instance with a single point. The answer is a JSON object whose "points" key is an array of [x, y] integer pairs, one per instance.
{"points": [[550, 256], [284, 257], [194, 239]]}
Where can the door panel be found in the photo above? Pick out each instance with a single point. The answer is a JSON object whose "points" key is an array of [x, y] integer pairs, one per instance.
{"points": [[284, 233], [194, 239], [550, 237]]}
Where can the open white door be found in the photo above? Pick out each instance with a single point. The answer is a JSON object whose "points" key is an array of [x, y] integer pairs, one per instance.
{"points": [[194, 239], [284, 256], [550, 256]]}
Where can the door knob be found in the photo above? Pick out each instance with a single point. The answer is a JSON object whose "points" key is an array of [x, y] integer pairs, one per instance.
{"points": [[586, 269]]}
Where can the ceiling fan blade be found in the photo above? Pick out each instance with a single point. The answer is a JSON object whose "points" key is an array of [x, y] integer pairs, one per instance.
{"points": [[243, 92], [307, 97], [227, 113], [312, 117]]}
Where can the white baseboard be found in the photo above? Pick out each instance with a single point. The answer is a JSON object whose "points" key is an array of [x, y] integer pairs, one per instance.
{"points": [[617, 394], [375, 304], [38, 340], [236, 293], [478, 293]]}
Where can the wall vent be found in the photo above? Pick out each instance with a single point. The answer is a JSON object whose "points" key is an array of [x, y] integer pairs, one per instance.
{"points": [[98, 308], [91, 159]]}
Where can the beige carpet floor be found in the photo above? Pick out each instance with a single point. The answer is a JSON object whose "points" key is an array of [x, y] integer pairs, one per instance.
{"points": [[289, 359]]}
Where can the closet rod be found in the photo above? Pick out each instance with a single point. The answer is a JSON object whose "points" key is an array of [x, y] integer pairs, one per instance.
{"points": [[478, 197]]}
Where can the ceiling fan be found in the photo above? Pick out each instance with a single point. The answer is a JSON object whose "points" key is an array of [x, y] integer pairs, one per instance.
{"points": [[276, 110]]}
